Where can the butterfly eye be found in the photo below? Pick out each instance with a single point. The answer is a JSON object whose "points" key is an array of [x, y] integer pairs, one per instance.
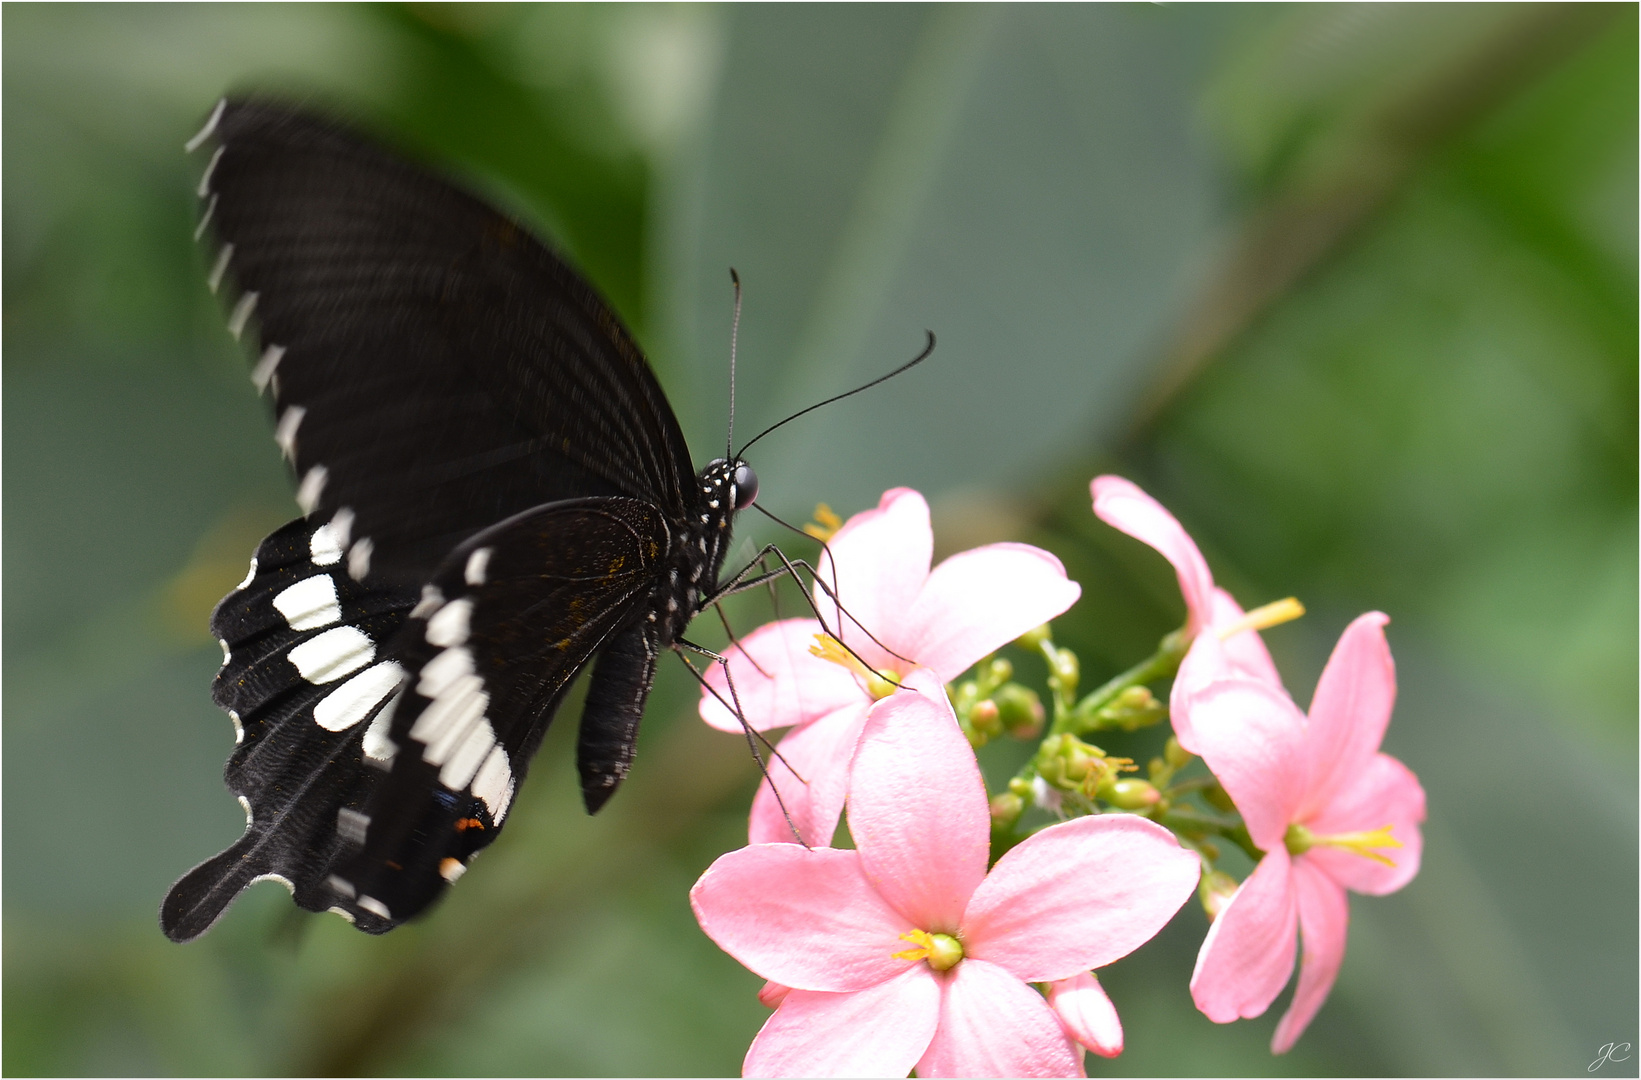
{"points": [[746, 486]]}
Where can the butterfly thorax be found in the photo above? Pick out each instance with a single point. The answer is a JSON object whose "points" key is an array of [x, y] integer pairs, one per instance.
{"points": [[700, 544]]}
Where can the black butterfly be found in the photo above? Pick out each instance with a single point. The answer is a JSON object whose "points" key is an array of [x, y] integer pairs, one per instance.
{"points": [[495, 492]]}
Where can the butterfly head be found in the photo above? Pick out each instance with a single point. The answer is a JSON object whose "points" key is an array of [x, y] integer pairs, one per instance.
{"points": [[734, 481]]}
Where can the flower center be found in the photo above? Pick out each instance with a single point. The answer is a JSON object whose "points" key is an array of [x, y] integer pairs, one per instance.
{"points": [[880, 684], [1366, 844], [1263, 618], [942, 951]]}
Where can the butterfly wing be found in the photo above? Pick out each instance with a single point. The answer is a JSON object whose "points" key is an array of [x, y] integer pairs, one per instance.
{"points": [[501, 630], [304, 671], [434, 368]]}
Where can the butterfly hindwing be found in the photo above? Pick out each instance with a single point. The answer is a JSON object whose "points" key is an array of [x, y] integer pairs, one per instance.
{"points": [[500, 632], [303, 674], [434, 368]]}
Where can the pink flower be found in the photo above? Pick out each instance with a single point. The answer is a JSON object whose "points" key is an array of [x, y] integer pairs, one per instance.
{"points": [[1087, 1014], [1330, 812], [1122, 505], [905, 952], [943, 619]]}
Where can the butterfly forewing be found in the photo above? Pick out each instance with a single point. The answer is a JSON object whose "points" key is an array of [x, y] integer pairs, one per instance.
{"points": [[434, 368]]}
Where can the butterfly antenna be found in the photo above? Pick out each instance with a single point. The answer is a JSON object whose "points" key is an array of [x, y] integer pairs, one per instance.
{"points": [[913, 362], [734, 336]]}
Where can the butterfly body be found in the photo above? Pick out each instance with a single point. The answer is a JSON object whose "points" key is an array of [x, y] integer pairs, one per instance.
{"points": [[495, 495]]}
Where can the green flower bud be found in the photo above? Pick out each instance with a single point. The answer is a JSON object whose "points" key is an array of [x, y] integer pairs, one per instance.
{"points": [[1176, 754], [1215, 891], [1066, 670], [1020, 710], [1020, 786], [1007, 808], [1130, 794], [985, 718], [1219, 800], [999, 671], [1134, 708], [1033, 639]]}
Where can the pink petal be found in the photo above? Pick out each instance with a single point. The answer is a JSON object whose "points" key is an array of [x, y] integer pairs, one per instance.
{"points": [[917, 806], [1351, 708], [992, 1024], [881, 1030], [1079, 895], [876, 564], [976, 602], [807, 918], [1087, 1014], [1385, 793], [1324, 917], [1122, 505], [772, 993], [1248, 954], [821, 753], [1253, 739], [1205, 662], [793, 687], [1244, 650]]}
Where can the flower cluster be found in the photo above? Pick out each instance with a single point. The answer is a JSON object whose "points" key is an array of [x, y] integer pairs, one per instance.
{"points": [[959, 935]]}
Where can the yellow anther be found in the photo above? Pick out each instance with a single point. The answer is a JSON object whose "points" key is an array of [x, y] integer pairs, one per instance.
{"points": [[942, 951], [880, 684], [1263, 618], [1366, 844], [826, 523]]}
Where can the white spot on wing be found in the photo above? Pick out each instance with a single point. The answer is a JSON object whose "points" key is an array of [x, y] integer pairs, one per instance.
{"points": [[210, 125], [341, 887], [432, 600], [332, 654], [226, 655], [352, 701], [448, 627], [311, 487], [210, 167], [359, 558], [344, 912], [439, 673], [241, 314], [246, 803], [239, 728], [446, 722], [285, 435], [374, 906], [310, 604], [465, 759], [351, 825], [451, 869], [477, 565], [205, 218], [281, 878], [328, 542], [493, 781], [378, 747], [265, 366], [221, 267], [250, 575]]}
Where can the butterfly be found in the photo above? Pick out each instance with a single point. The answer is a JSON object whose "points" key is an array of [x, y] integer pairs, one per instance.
{"points": [[495, 495]]}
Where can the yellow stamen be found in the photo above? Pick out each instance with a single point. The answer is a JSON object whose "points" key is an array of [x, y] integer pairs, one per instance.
{"points": [[1366, 844], [1263, 618], [826, 523], [942, 951], [880, 684]]}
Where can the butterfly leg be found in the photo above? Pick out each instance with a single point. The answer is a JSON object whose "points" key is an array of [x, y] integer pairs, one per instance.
{"points": [[751, 733]]}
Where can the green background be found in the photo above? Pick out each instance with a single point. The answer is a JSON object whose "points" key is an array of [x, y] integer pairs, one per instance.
{"points": [[1351, 289]]}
